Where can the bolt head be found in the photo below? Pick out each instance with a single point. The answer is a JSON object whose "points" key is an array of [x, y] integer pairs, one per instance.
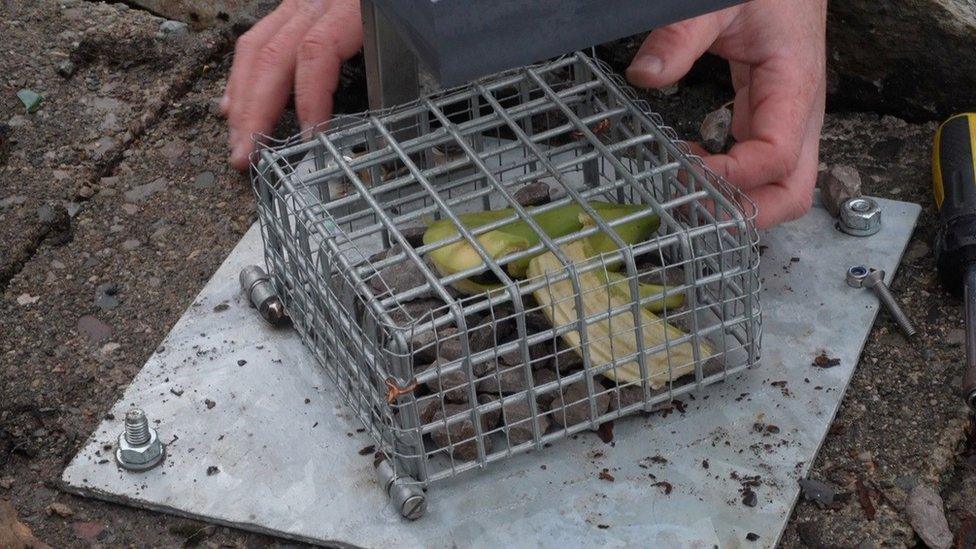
{"points": [[860, 216], [140, 458]]}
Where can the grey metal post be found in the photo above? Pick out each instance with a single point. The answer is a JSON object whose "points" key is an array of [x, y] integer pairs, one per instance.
{"points": [[391, 67]]}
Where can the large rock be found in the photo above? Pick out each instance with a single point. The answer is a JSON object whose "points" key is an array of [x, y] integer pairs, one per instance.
{"points": [[913, 59]]}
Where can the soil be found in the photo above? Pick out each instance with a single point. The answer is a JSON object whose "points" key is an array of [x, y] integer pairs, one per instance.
{"points": [[130, 148]]}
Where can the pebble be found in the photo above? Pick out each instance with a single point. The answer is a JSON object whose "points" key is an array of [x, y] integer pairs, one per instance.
{"points": [[131, 244], [105, 296], [109, 348], [927, 516], [60, 509], [173, 29], [533, 194], [141, 192], [67, 68], [205, 180], [27, 299], [576, 406], [86, 192], [715, 130], [956, 336], [93, 329], [15, 200], [838, 184], [130, 209]]}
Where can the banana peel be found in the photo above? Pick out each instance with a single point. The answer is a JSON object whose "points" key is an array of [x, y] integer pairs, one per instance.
{"points": [[613, 338], [518, 235]]}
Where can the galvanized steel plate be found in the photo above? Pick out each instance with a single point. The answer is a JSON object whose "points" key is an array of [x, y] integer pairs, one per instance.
{"points": [[234, 394]]}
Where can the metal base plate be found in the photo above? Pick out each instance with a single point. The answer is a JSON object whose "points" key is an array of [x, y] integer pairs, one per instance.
{"points": [[257, 439]]}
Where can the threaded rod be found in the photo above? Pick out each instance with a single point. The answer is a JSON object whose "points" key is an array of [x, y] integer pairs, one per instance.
{"points": [[136, 427]]}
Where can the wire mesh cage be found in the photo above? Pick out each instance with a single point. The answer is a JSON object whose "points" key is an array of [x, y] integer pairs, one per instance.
{"points": [[505, 264]]}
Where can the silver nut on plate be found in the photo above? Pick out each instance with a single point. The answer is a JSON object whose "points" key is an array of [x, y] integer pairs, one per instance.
{"points": [[860, 216], [139, 447]]}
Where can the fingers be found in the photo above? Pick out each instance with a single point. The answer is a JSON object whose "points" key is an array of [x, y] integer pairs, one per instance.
{"points": [[259, 100], [336, 37], [669, 52], [791, 198], [248, 45], [780, 102]]}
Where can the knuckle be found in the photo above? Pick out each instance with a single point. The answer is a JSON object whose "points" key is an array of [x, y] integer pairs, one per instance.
{"points": [[800, 204], [247, 41], [273, 53]]}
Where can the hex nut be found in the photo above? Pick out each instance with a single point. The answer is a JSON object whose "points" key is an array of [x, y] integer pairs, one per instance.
{"points": [[140, 458], [860, 216]]}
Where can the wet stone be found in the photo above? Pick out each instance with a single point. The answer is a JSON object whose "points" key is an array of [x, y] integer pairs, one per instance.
{"points": [[452, 386], [459, 437], [516, 421], [512, 380], [540, 356], [575, 404]]}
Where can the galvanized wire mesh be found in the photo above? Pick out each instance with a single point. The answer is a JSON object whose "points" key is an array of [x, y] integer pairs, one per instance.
{"points": [[447, 381]]}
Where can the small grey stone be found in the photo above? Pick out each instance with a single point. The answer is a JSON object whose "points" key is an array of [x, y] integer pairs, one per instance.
{"points": [[15, 200], [73, 208], [837, 185], [573, 407], [105, 296], [533, 194], [141, 192], [715, 130], [131, 244], [86, 192], [956, 336], [66, 68], [819, 492], [173, 29], [93, 329], [927, 516], [205, 180]]}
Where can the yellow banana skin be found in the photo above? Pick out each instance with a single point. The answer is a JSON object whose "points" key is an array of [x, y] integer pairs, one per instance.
{"points": [[613, 338], [518, 235]]}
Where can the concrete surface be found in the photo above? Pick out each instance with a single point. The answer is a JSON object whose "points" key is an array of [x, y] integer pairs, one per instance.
{"points": [[64, 359]]}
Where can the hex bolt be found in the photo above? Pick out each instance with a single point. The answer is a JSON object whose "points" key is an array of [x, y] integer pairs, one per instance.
{"points": [[139, 447], [860, 216], [860, 276], [256, 285]]}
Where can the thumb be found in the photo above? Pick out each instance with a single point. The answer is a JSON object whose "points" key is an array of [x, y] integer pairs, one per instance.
{"points": [[669, 52]]}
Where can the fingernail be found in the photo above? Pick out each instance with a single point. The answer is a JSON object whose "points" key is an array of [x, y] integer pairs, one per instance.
{"points": [[648, 63]]}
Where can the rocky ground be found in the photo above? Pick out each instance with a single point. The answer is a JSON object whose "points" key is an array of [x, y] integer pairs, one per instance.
{"points": [[116, 205]]}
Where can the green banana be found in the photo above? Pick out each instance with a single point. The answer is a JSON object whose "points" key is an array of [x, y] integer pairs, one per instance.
{"points": [[620, 286], [518, 235], [613, 338]]}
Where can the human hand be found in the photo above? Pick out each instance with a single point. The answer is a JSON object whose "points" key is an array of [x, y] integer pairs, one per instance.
{"points": [[776, 51], [299, 46]]}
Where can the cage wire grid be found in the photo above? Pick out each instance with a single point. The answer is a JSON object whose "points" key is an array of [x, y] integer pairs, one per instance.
{"points": [[446, 382]]}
